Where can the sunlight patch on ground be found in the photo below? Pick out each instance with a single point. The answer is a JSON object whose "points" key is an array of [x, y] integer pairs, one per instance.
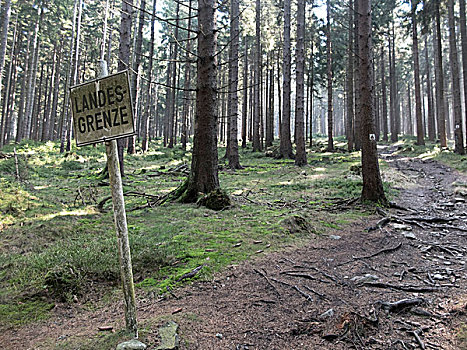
{"points": [[78, 212]]}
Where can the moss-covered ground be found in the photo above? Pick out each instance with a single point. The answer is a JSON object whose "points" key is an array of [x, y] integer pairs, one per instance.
{"points": [[55, 245]]}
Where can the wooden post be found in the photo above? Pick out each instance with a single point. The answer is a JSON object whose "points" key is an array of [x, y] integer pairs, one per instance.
{"points": [[121, 227]]}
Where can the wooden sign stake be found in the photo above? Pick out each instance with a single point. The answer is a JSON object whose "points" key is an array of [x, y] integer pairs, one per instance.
{"points": [[121, 227]]}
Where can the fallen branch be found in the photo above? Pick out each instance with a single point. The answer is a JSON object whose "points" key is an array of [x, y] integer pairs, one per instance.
{"points": [[416, 334], [401, 304], [303, 275], [190, 274], [268, 281], [405, 288], [307, 296], [384, 250]]}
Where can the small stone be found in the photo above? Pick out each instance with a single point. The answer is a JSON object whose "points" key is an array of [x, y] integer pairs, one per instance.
{"points": [[335, 237], [219, 335], [438, 276], [459, 200], [402, 227], [133, 344], [366, 278], [327, 314], [169, 336], [409, 235]]}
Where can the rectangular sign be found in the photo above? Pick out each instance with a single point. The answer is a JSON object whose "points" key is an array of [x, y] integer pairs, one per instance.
{"points": [[102, 109]]}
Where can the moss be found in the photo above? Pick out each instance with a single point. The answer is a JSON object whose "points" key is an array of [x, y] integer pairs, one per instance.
{"points": [[215, 200]]}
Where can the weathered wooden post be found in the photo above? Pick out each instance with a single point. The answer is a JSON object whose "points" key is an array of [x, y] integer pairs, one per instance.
{"points": [[102, 111]]}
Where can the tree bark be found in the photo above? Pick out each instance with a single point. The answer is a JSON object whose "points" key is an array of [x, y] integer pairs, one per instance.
{"points": [[286, 143], [135, 76], [6, 11], [145, 120], [456, 92], [464, 51], [245, 93], [349, 82], [384, 97], [234, 160], [300, 157], [439, 77], [258, 68], [357, 121], [204, 164], [124, 61], [186, 93], [416, 64], [429, 90], [372, 184], [329, 78]]}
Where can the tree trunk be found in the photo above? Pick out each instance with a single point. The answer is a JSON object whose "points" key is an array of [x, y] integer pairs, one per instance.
{"points": [[257, 107], [186, 93], [439, 77], [30, 97], [145, 116], [464, 52], [204, 164], [234, 161], [416, 66], [429, 90], [456, 92], [124, 61], [21, 121], [135, 76], [384, 97], [372, 184], [349, 83], [329, 78], [409, 112], [300, 158], [286, 143], [172, 110], [245, 93], [6, 11], [392, 92], [357, 120], [65, 108]]}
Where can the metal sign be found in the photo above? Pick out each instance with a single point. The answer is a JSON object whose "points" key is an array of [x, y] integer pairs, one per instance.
{"points": [[102, 109]]}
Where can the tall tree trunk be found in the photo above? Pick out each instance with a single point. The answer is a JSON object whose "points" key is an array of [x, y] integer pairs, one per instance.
{"points": [[286, 143], [456, 91], [65, 108], [312, 83], [329, 77], [245, 93], [186, 93], [21, 121], [349, 82], [416, 66], [279, 94], [135, 76], [69, 129], [6, 94], [6, 11], [439, 77], [172, 110], [464, 52], [270, 133], [384, 97], [392, 92], [357, 119], [204, 164], [372, 184], [258, 68], [409, 112], [124, 61], [30, 97], [46, 127], [234, 161], [147, 109], [300, 157], [429, 90]]}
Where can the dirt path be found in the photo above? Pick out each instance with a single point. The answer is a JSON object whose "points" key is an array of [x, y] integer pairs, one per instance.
{"points": [[335, 293]]}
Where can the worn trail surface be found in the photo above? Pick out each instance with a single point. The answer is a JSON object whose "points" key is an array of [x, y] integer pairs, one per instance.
{"points": [[400, 285]]}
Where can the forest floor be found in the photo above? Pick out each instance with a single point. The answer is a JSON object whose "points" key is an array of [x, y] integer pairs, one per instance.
{"points": [[392, 280]]}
